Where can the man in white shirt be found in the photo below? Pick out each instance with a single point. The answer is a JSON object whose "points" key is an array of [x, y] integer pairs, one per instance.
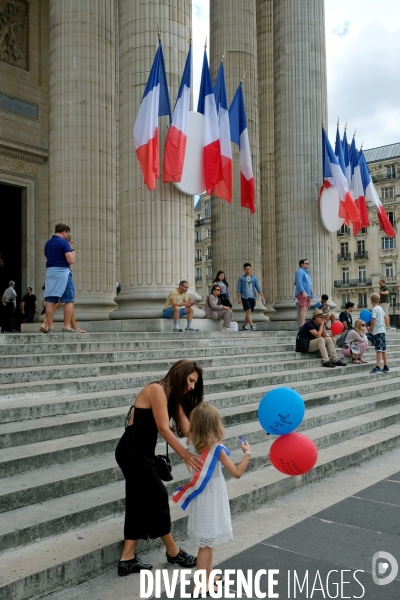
{"points": [[9, 301]]}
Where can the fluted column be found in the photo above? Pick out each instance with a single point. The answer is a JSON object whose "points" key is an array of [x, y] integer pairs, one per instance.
{"points": [[236, 233], [300, 108], [82, 139], [157, 228], [265, 60]]}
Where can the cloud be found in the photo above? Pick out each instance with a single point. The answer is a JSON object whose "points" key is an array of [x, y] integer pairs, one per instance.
{"points": [[342, 29]]}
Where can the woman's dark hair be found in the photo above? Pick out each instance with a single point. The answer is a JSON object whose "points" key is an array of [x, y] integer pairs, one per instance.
{"points": [[216, 280], [175, 383]]}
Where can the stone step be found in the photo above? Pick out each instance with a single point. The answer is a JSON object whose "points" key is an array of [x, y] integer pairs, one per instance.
{"points": [[83, 507], [56, 481], [217, 379], [55, 563], [34, 407]]}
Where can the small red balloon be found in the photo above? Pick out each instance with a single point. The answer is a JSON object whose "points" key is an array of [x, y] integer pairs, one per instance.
{"points": [[337, 327], [293, 454]]}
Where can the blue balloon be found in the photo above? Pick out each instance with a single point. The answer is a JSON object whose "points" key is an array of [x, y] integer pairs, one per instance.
{"points": [[281, 410], [366, 315]]}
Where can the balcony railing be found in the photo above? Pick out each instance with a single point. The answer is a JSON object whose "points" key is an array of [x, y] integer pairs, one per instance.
{"points": [[344, 257], [361, 255], [346, 231], [198, 279], [197, 260], [353, 283], [390, 279], [200, 222]]}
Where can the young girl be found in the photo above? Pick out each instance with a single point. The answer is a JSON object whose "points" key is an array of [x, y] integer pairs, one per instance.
{"points": [[356, 343], [209, 520]]}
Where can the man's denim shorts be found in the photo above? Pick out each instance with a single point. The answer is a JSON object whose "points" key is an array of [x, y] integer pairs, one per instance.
{"points": [[168, 313], [68, 295]]}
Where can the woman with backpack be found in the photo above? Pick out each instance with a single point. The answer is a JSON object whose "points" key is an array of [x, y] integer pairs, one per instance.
{"points": [[356, 343]]}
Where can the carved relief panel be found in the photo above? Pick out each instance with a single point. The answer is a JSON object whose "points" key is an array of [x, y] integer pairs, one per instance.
{"points": [[14, 33]]}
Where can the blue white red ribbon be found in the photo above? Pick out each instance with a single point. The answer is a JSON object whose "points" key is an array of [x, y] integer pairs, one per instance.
{"points": [[186, 493]]}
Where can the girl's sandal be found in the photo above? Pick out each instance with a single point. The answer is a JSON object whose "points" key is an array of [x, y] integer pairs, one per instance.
{"points": [[356, 362], [44, 329]]}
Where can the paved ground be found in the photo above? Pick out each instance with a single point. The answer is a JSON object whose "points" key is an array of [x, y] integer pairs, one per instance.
{"points": [[333, 526]]}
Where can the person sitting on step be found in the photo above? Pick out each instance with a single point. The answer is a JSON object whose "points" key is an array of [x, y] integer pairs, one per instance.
{"points": [[215, 310], [323, 305], [315, 331], [178, 306], [356, 343]]}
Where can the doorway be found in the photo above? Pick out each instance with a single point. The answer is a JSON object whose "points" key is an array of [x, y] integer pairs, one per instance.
{"points": [[11, 238]]}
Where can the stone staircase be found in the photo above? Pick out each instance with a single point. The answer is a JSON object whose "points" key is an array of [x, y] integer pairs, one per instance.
{"points": [[63, 401]]}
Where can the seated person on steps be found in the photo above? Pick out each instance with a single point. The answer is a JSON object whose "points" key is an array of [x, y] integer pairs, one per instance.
{"points": [[315, 331], [323, 305], [178, 306]]}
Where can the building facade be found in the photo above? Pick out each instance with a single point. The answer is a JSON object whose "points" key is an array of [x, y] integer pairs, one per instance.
{"points": [[204, 274], [371, 255]]}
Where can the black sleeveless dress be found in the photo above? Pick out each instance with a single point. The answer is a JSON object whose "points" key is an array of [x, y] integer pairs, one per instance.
{"points": [[146, 502]]}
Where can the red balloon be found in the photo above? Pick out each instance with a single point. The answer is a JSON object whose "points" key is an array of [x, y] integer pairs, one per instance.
{"points": [[337, 327], [293, 454]]}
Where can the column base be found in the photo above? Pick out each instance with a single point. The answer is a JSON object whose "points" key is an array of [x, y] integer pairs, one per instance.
{"points": [[91, 307], [287, 310], [147, 303]]}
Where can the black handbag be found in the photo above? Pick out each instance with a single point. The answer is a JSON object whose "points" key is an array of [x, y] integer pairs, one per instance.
{"points": [[163, 466], [302, 344]]}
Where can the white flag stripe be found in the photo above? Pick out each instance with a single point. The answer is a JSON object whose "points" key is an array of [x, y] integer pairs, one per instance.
{"points": [[147, 120], [340, 180], [211, 129], [245, 156], [180, 116], [225, 133]]}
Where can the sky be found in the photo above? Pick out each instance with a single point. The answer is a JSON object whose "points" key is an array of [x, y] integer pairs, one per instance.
{"points": [[363, 66]]}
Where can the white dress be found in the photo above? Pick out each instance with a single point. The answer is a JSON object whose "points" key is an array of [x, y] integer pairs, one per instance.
{"points": [[209, 520]]}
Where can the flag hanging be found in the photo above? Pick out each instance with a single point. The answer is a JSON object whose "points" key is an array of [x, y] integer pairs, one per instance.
{"points": [[346, 159], [333, 172], [212, 146], [155, 103], [175, 143], [240, 136], [356, 187], [223, 189], [371, 195]]}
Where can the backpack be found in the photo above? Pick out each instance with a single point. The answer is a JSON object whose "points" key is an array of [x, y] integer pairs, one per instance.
{"points": [[341, 341]]}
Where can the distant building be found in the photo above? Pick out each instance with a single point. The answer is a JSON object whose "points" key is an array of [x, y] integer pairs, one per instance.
{"points": [[362, 260], [202, 246]]}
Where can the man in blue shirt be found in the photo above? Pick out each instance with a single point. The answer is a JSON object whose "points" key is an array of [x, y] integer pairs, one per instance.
{"points": [[59, 285], [303, 291], [247, 289]]}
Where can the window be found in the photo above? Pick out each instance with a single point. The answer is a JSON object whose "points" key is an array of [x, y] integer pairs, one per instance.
{"points": [[344, 230], [209, 256], [198, 237], [361, 246], [198, 255], [362, 300], [209, 290], [198, 274], [209, 233], [345, 274], [207, 210], [345, 298], [362, 274], [209, 271], [387, 192], [344, 249], [389, 269], [392, 218], [388, 243], [390, 171], [363, 230]]}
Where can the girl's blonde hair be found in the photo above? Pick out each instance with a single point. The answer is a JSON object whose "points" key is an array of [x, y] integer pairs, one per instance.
{"points": [[205, 426], [357, 326]]}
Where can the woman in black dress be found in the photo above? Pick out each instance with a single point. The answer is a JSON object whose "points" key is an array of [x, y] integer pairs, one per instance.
{"points": [[146, 502]]}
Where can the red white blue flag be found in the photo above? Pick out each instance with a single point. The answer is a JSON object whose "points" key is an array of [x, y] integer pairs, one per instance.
{"points": [[212, 146], [155, 103], [334, 175], [223, 189], [175, 143], [186, 493], [240, 136], [370, 194], [356, 186], [346, 159]]}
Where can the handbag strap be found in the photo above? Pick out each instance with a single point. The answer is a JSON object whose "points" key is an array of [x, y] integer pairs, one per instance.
{"points": [[166, 443]]}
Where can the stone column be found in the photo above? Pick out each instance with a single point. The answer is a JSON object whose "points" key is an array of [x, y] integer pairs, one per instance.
{"points": [[157, 227], [82, 139], [236, 233], [300, 108], [265, 61]]}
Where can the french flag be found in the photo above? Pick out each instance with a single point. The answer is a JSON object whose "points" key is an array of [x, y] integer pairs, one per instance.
{"points": [[155, 103], [346, 158], [175, 143], [371, 195], [240, 136], [212, 147], [356, 187], [223, 189], [332, 171]]}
